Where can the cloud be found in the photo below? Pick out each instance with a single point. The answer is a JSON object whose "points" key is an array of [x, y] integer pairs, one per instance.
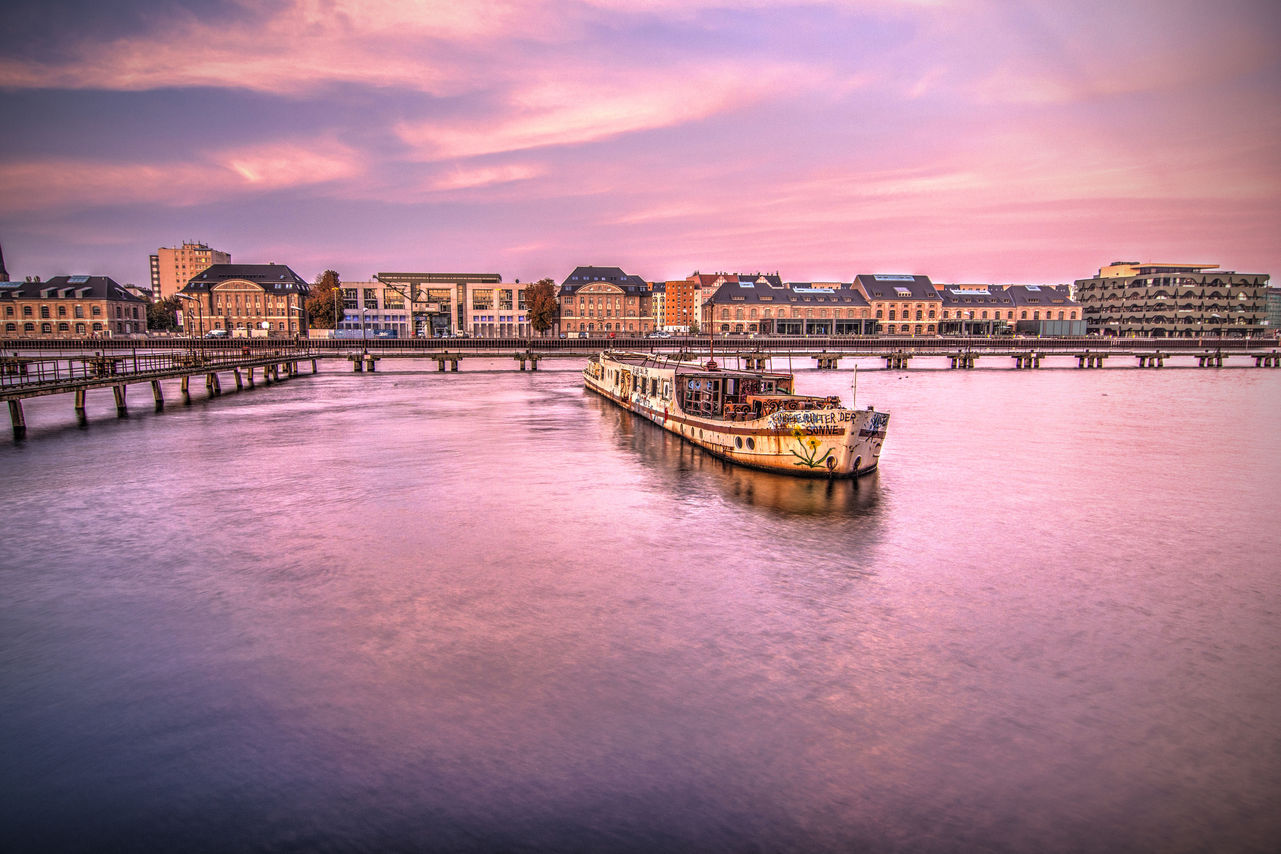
{"points": [[460, 178], [40, 184], [290, 47], [587, 107]]}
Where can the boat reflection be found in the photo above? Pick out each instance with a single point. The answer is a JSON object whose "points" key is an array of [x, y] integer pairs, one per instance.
{"points": [[665, 452]]}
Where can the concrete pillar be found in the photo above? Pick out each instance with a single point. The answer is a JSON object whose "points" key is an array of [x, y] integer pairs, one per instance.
{"points": [[17, 419], [186, 392], [249, 376], [158, 394], [240, 383], [80, 404], [119, 391], [212, 385]]}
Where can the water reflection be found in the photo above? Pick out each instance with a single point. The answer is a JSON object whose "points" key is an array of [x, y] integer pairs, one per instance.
{"points": [[792, 496]]}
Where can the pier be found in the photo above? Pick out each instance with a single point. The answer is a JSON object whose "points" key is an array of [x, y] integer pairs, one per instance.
{"points": [[23, 377]]}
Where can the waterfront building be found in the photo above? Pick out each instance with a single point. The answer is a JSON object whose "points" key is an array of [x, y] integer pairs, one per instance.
{"points": [[605, 300], [764, 304], [246, 300], [1046, 310], [408, 305], [71, 307], [971, 309], [904, 304], [1161, 300], [173, 267]]}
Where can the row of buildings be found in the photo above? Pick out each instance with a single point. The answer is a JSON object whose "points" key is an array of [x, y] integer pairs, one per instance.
{"points": [[1125, 298]]}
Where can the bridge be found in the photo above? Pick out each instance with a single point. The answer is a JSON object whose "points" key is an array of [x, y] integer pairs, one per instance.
{"points": [[23, 377]]}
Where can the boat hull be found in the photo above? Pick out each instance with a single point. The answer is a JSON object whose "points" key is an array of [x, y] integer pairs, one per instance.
{"points": [[830, 442]]}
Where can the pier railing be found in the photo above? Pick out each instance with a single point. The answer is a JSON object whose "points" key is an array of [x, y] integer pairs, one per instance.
{"points": [[571, 345]]}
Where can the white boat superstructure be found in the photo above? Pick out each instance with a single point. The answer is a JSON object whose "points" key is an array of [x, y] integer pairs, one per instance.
{"points": [[751, 417]]}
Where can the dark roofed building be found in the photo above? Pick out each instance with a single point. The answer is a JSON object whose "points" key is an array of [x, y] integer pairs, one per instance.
{"points": [[71, 307], [1045, 310], [766, 305], [246, 299], [975, 310], [905, 304], [606, 300]]}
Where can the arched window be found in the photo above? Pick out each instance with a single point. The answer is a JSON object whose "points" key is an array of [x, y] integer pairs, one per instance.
{"points": [[44, 311], [46, 328], [11, 327], [1023, 315], [893, 315], [26, 311], [64, 327], [28, 327], [919, 314], [724, 314], [80, 329]]}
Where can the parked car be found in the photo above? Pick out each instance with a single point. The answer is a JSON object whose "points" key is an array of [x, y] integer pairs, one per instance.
{"points": [[216, 333], [582, 335]]}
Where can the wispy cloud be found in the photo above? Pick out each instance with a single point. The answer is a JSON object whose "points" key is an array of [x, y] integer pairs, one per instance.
{"points": [[39, 184], [586, 107]]}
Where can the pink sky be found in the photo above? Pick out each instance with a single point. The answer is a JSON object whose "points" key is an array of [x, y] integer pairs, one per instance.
{"points": [[960, 139]]}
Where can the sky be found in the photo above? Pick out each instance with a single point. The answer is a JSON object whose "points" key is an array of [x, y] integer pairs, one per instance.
{"points": [[966, 140]]}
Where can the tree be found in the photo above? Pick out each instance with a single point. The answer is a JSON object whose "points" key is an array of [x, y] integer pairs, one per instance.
{"points": [[324, 303], [541, 305], [693, 326], [162, 316]]}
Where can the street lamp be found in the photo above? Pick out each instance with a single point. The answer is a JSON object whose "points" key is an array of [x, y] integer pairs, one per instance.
{"points": [[363, 312], [199, 309], [301, 314]]}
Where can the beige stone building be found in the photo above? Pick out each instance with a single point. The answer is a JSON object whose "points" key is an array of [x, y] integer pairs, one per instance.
{"points": [[605, 301], [249, 300], [172, 268]]}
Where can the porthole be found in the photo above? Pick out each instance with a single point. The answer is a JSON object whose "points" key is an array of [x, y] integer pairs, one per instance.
{"points": [[751, 443], [738, 441]]}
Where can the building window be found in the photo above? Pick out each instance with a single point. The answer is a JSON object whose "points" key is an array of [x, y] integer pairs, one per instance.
{"points": [[62, 311], [46, 328], [44, 311], [80, 329], [26, 311], [11, 327], [97, 312], [64, 327], [28, 327]]}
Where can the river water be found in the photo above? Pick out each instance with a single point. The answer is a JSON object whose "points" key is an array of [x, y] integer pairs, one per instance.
{"points": [[488, 611]]}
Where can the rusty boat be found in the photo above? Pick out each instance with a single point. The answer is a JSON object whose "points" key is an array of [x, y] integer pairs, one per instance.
{"points": [[750, 417]]}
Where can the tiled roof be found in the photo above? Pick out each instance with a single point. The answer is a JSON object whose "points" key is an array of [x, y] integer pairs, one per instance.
{"points": [[277, 277], [70, 287], [1039, 295], [611, 275], [792, 293], [896, 287]]}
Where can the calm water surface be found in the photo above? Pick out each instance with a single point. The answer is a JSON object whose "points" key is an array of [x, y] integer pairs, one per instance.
{"points": [[486, 611]]}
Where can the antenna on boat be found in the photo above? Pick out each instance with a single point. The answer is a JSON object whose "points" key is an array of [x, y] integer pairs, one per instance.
{"points": [[854, 388]]}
